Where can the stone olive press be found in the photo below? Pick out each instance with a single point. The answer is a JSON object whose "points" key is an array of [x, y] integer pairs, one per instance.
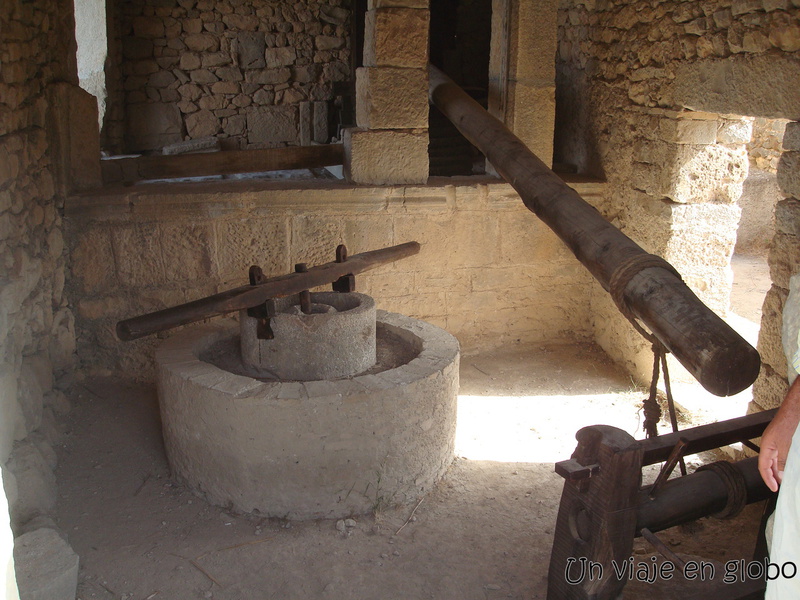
{"points": [[313, 405]]}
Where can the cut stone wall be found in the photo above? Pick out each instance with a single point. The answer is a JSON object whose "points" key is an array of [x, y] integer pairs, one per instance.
{"points": [[489, 271], [255, 74], [784, 263], [765, 147], [36, 324], [390, 144], [645, 94]]}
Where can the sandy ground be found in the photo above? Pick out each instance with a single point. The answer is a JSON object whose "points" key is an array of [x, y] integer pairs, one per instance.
{"points": [[485, 532]]}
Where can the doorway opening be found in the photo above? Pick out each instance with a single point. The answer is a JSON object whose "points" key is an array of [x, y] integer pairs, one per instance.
{"points": [[460, 35], [92, 38]]}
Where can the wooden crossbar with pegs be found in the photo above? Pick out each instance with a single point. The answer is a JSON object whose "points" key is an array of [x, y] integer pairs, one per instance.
{"points": [[338, 272]]}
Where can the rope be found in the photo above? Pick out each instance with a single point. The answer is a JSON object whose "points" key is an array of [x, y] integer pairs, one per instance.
{"points": [[618, 281], [734, 484], [652, 410], [622, 276]]}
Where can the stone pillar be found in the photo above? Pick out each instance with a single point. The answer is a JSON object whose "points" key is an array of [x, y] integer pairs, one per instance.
{"points": [[74, 135], [680, 197], [522, 71], [784, 265], [390, 145]]}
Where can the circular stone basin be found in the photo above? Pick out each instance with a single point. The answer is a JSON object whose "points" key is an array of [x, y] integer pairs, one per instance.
{"points": [[312, 449]]}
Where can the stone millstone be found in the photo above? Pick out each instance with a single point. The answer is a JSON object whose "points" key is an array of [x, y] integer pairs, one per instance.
{"points": [[336, 340]]}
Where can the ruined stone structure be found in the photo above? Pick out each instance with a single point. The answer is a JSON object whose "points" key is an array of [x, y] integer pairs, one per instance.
{"points": [[652, 105]]}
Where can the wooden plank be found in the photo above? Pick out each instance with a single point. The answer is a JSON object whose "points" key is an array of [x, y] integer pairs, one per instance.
{"points": [[229, 162], [718, 357], [707, 437]]}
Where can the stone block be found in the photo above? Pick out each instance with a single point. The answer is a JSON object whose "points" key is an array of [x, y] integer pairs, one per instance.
{"points": [[791, 136], [152, 126], [791, 326], [390, 98], [335, 15], [787, 217], [36, 483], [280, 57], [386, 157], [272, 124], [457, 240], [684, 131], [137, 252], [46, 565], [525, 240], [769, 389], [769, 337], [785, 37], [396, 37], [789, 174], [530, 114], [784, 259], [760, 194], [320, 122], [735, 132], [305, 123], [690, 173], [202, 124], [188, 251], [533, 43], [314, 237], [252, 241], [736, 85], [250, 48], [201, 42], [93, 260], [328, 42]]}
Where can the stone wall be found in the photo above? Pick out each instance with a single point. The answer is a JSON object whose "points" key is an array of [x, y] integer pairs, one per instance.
{"points": [[645, 94], [36, 323], [784, 263], [765, 146], [489, 271], [255, 74]]}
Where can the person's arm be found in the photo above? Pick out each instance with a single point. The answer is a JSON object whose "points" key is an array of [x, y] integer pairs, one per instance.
{"points": [[777, 438]]}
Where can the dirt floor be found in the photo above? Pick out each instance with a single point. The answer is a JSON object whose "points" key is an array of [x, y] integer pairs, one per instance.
{"points": [[485, 532]]}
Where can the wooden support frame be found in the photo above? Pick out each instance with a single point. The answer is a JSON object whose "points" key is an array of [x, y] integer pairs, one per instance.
{"points": [[604, 506]]}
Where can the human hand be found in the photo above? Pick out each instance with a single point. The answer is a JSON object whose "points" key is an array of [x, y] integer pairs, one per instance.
{"points": [[775, 444]]}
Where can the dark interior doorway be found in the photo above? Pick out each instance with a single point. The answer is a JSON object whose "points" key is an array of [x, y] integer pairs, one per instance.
{"points": [[460, 36]]}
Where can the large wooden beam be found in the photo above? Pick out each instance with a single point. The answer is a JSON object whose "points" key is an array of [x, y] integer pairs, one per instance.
{"points": [[719, 358], [228, 162]]}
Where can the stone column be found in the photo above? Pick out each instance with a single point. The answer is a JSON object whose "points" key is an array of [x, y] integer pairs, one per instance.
{"points": [[522, 71], [390, 144], [679, 201], [784, 264]]}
